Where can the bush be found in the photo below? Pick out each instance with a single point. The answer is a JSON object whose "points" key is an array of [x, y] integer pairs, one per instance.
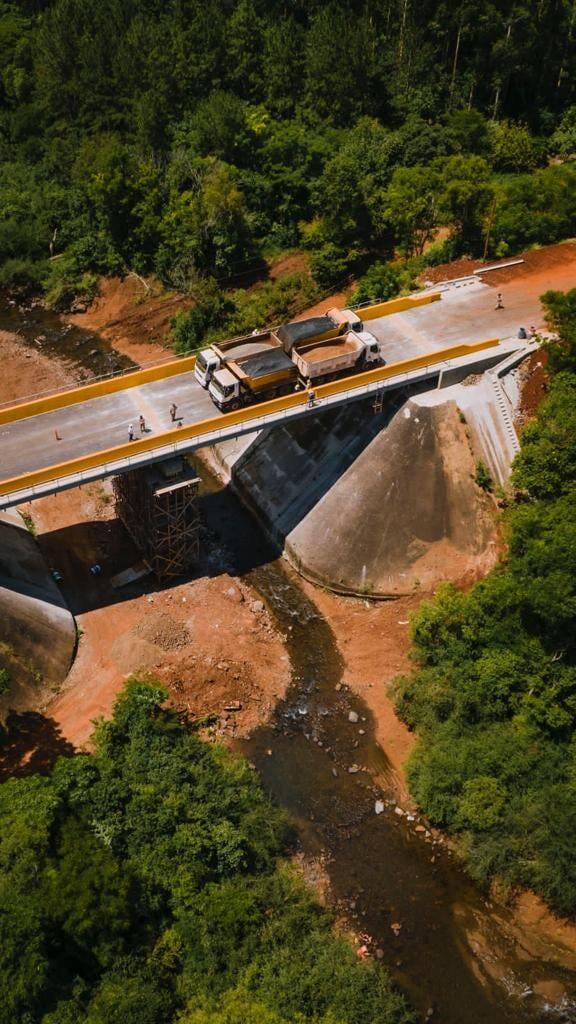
{"points": [[190, 327], [26, 276], [383, 281], [332, 265], [482, 477]]}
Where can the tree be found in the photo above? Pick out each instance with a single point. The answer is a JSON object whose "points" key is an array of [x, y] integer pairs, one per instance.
{"points": [[466, 193], [561, 315], [513, 147], [563, 141], [410, 208]]}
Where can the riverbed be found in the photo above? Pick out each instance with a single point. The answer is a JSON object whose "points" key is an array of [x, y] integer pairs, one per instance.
{"points": [[453, 952], [456, 955]]}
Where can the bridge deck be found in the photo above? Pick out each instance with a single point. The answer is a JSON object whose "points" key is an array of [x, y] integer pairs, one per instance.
{"points": [[99, 424], [34, 462]]}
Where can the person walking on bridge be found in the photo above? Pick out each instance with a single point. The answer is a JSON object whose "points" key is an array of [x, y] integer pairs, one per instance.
{"points": [[130, 432], [173, 411], [142, 423]]}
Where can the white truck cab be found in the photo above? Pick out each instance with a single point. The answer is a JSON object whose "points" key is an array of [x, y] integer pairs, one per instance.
{"points": [[224, 390], [371, 347], [207, 362]]}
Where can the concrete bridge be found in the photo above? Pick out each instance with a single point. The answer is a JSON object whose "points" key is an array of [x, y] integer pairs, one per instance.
{"points": [[61, 440], [43, 452]]}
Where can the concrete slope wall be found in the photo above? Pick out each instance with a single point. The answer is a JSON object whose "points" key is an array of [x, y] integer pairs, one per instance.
{"points": [[371, 504], [37, 631]]}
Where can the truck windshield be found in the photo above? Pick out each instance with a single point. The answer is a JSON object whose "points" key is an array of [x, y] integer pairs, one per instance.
{"points": [[202, 361], [223, 390]]}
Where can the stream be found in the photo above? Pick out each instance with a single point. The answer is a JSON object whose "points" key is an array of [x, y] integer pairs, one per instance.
{"points": [[450, 951], [453, 955]]}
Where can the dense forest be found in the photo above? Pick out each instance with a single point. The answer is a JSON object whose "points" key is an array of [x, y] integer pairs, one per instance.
{"points": [[143, 884], [494, 699], [194, 140]]}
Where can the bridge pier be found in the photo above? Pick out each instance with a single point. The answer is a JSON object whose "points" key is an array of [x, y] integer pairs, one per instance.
{"points": [[159, 507]]}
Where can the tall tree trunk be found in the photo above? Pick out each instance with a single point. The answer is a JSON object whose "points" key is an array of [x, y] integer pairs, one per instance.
{"points": [[402, 28], [567, 46], [455, 64]]}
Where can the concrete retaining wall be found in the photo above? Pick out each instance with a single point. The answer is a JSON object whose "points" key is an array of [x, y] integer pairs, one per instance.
{"points": [[37, 631], [369, 504]]}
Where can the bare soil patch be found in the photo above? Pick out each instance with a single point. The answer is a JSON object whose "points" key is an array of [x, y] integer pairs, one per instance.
{"points": [[28, 371], [207, 640], [553, 266], [137, 322], [163, 631], [533, 388]]}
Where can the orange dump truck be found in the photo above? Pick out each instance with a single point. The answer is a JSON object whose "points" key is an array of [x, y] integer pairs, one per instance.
{"points": [[314, 350]]}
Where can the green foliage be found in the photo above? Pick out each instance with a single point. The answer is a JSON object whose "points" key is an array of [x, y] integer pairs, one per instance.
{"points": [[332, 265], [482, 476], [563, 141], [193, 139], [537, 208], [382, 281], [513, 147], [215, 315], [561, 315], [5, 681], [494, 695], [141, 885], [410, 207]]}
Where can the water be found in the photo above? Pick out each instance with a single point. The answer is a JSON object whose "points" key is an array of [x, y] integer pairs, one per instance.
{"points": [[453, 953]]}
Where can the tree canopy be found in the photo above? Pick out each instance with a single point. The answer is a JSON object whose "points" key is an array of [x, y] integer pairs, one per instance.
{"points": [[494, 696], [196, 139], [143, 883]]}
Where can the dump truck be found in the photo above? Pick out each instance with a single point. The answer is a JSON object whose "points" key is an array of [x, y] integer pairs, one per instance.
{"points": [[218, 355], [328, 359], [274, 372], [257, 377], [223, 353]]}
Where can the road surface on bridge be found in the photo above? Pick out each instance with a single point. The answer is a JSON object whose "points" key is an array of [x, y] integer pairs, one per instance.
{"points": [[99, 424]]}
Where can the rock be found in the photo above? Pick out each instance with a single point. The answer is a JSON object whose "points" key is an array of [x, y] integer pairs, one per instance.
{"points": [[257, 607], [410, 817], [269, 752], [234, 595], [234, 705], [396, 927], [353, 769], [334, 773], [419, 828], [361, 732], [379, 807], [379, 954], [352, 717], [399, 812]]}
